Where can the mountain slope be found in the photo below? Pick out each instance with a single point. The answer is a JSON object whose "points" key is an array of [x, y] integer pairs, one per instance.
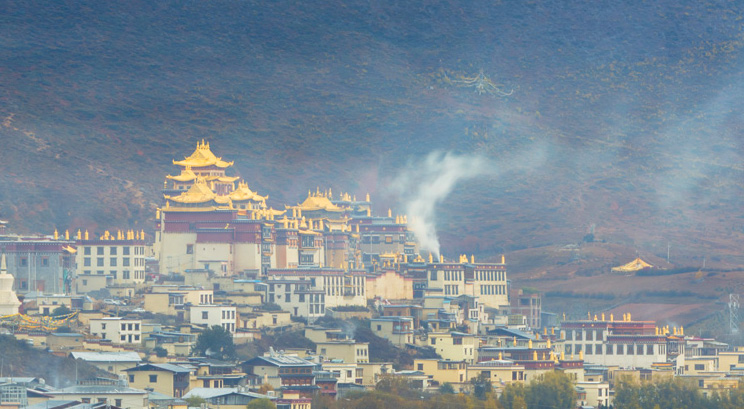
{"points": [[623, 115]]}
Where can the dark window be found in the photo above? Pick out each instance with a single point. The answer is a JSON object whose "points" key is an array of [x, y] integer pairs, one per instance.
{"points": [[153, 378], [86, 251], [189, 249]]}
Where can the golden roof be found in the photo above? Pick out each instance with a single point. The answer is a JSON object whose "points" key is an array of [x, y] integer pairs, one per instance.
{"points": [[186, 175], [634, 265], [275, 212], [202, 157], [227, 179], [318, 201], [244, 193], [199, 192]]}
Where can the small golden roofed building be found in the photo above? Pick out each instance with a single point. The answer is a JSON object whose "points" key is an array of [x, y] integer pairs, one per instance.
{"points": [[634, 265]]}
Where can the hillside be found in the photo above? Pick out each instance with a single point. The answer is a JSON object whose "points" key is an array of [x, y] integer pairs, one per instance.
{"points": [[623, 115], [21, 360]]}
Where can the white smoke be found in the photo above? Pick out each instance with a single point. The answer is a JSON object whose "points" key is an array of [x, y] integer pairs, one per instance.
{"points": [[425, 184]]}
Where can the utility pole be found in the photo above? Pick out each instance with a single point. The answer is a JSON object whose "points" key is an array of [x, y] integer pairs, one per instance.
{"points": [[669, 246], [733, 313]]}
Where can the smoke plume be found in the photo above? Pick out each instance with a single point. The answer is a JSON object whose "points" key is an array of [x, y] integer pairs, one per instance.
{"points": [[426, 183]]}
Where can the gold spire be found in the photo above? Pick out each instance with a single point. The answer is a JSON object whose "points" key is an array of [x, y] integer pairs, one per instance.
{"points": [[56, 234], [86, 234], [79, 235], [431, 258], [67, 235], [534, 355], [529, 344], [581, 355], [472, 259], [367, 197]]}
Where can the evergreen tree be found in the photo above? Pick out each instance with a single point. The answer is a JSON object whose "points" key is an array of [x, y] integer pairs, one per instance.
{"points": [[216, 343]]}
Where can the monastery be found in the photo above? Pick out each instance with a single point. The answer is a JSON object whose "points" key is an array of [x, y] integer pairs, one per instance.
{"points": [[328, 247]]}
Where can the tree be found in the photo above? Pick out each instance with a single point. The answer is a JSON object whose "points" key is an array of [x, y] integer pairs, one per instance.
{"points": [[61, 310], [446, 388], [160, 352], [216, 343], [262, 403], [481, 386], [513, 396], [195, 401], [554, 390]]}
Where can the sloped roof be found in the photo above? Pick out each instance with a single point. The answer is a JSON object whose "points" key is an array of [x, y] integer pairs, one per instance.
{"points": [[634, 265], [107, 356]]}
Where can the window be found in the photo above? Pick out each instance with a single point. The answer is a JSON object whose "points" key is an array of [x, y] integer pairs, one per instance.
{"points": [[99, 251], [433, 275], [85, 400], [123, 327], [153, 378], [24, 261], [131, 379], [85, 282], [419, 367], [112, 251], [112, 262], [99, 262], [621, 349], [86, 251], [433, 341], [699, 367], [125, 250], [45, 261], [125, 262], [123, 337], [189, 249], [379, 328], [118, 402], [86, 262], [205, 315]]}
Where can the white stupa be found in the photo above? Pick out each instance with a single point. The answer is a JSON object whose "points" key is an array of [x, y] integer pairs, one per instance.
{"points": [[8, 300]]}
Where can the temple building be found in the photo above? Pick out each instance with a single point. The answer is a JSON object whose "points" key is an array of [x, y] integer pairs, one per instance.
{"points": [[39, 264], [212, 221], [119, 256]]}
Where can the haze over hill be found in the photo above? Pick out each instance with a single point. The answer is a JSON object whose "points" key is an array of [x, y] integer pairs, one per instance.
{"points": [[623, 115]]}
